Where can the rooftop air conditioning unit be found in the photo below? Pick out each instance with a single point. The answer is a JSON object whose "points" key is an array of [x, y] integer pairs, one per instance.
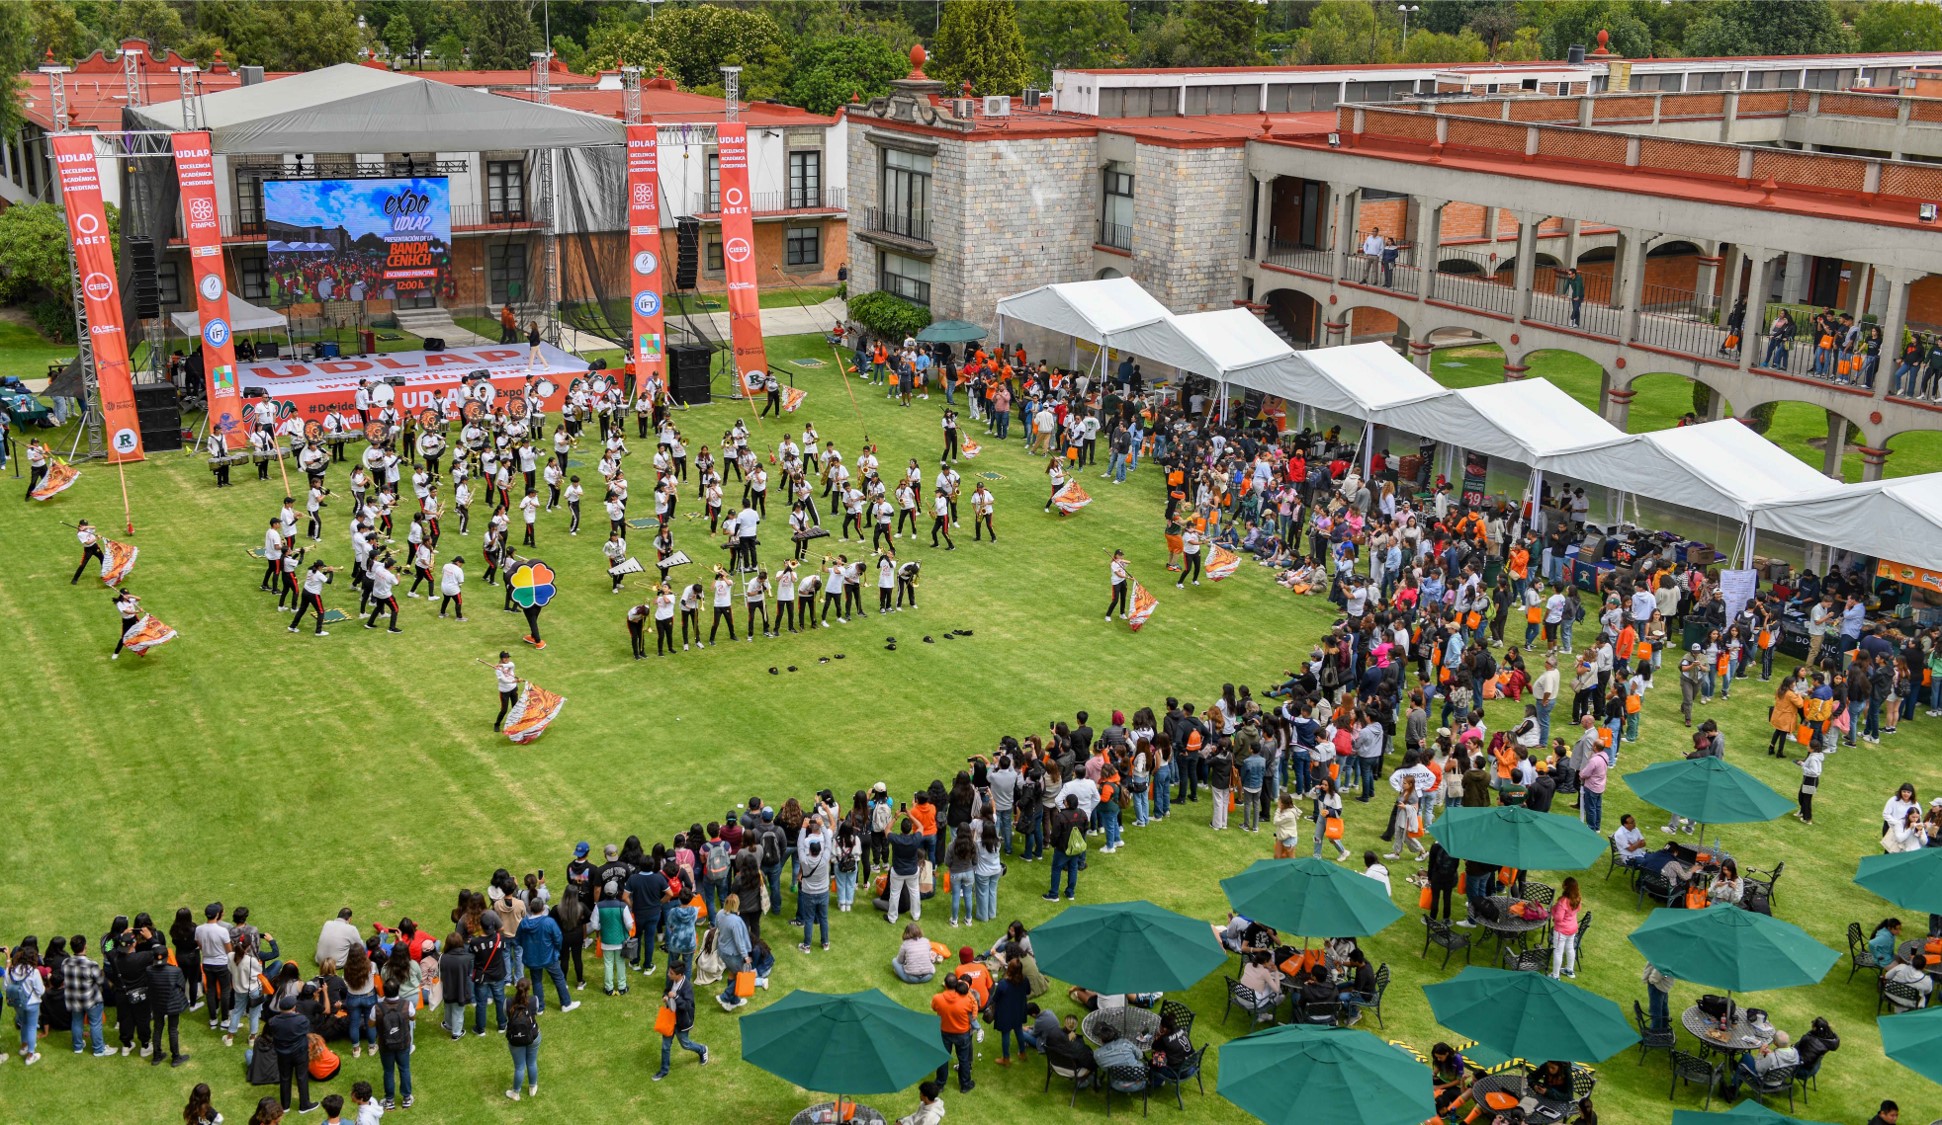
{"points": [[1032, 96], [997, 106], [964, 109]]}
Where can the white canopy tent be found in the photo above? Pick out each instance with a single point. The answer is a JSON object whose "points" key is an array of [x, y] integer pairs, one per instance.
{"points": [[243, 317], [1364, 381], [1897, 520], [1112, 312], [1531, 422]]}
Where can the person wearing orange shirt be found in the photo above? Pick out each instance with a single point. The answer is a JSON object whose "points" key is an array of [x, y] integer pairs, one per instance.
{"points": [[972, 970], [1507, 755], [924, 814], [879, 360], [1519, 564], [957, 1009]]}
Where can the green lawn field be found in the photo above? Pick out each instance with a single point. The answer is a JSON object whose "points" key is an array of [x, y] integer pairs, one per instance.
{"points": [[298, 775]]}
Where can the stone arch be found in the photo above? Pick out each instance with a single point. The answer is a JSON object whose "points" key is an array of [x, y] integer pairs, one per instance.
{"points": [[1296, 313], [1910, 444], [1487, 332], [1674, 247], [1659, 398], [1107, 273], [1460, 266], [1372, 323]]}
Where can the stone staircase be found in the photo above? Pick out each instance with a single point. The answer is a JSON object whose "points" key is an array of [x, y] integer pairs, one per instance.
{"points": [[438, 323]]}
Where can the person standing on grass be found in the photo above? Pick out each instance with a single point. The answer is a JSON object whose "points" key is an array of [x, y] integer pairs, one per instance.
{"points": [[167, 1000], [957, 1010], [455, 982], [522, 1039], [679, 997], [1068, 847], [81, 980], [1564, 930], [613, 921], [813, 865]]}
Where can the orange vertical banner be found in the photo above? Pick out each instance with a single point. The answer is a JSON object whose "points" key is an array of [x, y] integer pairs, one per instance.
{"points": [[738, 258], [94, 257], [644, 251], [195, 170]]}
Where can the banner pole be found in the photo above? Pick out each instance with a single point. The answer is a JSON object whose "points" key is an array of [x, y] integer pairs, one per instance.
{"points": [[126, 515]]}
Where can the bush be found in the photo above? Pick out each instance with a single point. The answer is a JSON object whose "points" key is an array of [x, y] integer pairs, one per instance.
{"points": [[55, 319], [1760, 418], [889, 316]]}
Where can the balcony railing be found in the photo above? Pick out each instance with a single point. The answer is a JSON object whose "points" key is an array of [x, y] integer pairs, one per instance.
{"points": [[1301, 259], [917, 228], [1117, 235]]}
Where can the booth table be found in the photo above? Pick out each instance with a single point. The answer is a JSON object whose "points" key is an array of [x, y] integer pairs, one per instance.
{"points": [[1136, 1024]]}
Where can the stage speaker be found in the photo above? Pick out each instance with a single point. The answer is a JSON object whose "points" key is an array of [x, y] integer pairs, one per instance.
{"points": [[687, 258], [434, 343], [159, 417], [688, 373], [147, 292]]}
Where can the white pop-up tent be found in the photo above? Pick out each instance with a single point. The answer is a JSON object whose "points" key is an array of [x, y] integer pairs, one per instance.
{"points": [[1112, 312], [1364, 381], [1530, 421], [243, 317], [1234, 348], [1897, 520]]}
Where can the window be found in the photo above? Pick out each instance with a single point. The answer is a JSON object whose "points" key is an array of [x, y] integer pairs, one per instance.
{"points": [[712, 262], [168, 284], [254, 276], [805, 180], [505, 191], [803, 246], [249, 200], [906, 194], [909, 278], [1223, 99], [506, 273], [714, 183], [1116, 208]]}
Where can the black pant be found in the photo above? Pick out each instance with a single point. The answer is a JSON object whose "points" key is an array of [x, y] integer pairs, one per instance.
{"points": [[269, 573], [93, 552], [171, 1020], [906, 587], [757, 609], [34, 473], [983, 522], [1119, 600], [883, 598], [941, 526], [451, 600], [950, 443], [1192, 571], [134, 1018], [722, 613], [378, 607], [532, 623], [293, 1065], [1440, 902], [505, 704], [634, 636], [663, 635], [215, 984]]}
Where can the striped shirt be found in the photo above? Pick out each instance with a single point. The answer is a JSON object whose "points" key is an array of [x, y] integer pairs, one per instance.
{"points": [[81, 980]]}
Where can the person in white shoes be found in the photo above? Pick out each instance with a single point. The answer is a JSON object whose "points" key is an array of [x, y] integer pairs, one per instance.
{"points": [[451, 587], [1118, 570]]}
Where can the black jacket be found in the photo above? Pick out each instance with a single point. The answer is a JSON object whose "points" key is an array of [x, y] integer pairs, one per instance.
{"points": [[165, 989], [289, 1032]]}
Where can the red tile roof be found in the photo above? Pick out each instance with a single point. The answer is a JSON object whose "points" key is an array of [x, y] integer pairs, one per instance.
{"points": [[97, 92], [667, 104], [1217, 130]]}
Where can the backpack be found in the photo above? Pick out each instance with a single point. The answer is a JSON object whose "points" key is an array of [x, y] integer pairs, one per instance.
{"points": [[880, 817], [522, 1030], [394, 1029], [846, 860], [772, 848], [715, 866], [261, 1070]]}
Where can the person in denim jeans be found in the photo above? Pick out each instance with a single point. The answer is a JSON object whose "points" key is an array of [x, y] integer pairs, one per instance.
{"points": [[24, 991], [1479, 879], [679, 998], [525, 1056], [491, 969], [1067, 822], [455, 981], [361, 995], [395, 1062], [961, 864], [678, 920], [539, 941], [989, 868], [81, 986]]}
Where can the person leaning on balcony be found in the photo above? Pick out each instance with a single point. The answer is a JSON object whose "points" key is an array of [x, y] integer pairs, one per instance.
{"points": [[1372, 255], [1780, 337]]}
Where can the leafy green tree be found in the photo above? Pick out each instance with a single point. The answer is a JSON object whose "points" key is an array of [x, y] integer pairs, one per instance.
{"points": [[978, 41], [33, 248], [694, 43], [1435, 47], [398, 37], [449, 50], [1899, 26], [828, 71], [1222, 32], [53, 25], [504, 37], [152, 20], [286, 35], [1449, 16], [1345, 33], [569, 54], [1160, 42], [15, 56], [1495, 24], [1075, 34], [1768, 27], [1577, 23]]}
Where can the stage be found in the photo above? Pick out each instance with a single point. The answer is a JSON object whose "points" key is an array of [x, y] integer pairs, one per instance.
{"points": [[317, 387]]}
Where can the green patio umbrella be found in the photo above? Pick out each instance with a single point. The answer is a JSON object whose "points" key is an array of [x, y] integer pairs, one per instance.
{"points": [[1911, 880], [1733, 949], [950, 332], [1746, 1113], [1310, 898], [859, 1043], [1514, 836], [1530, 1014], [1708, 791], [1304, 1073], [1914, 1039], [1126, 947]]}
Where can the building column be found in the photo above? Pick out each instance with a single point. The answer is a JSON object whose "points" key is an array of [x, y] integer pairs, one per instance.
{"points": [[1263, 215], [1427, 239], [1706, 279], [1617, 404], [1341, 234], [1859, 275], [1753, 333], [1872, 461], [1734, 261], [1631, 263], [1526, 262], [1490, 222], [1571, 236], [1837, 445], [1794, 287], [1894, 319]]}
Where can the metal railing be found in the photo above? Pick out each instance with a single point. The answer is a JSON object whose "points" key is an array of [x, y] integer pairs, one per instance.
{"points": [[917, 228], [1301, 259], [1117, 235], [1473, 291]]}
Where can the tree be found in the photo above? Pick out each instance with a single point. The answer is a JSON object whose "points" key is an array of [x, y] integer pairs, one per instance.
{"points": [[695, 43], [286, 35], [15, 56], [53, 25], [1768, 27], [33, 254], [1160, 42], [1345, 33], [1495, 24], [504, 38], [1435, 47], [152, 20], [978, 41], [399, 38], [449, 51], [1221, 32], [828, 71], [1885, 26], [1075, 35], [1577, 23]]}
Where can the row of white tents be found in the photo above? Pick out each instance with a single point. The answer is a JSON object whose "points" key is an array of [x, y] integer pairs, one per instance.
{"points": [[1722, 468]]}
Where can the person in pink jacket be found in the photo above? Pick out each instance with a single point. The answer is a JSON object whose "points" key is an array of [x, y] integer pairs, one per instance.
{"points": [[1564, 930]]}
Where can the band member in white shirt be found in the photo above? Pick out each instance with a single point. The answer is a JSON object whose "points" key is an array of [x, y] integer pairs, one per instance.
{"points": [[785, 597], [217, 446], [272, 553], [886, 579], [981, 513], [384, 586], [314, 581], [724, 591], [529, 510], [806, 599], [616, 550], [451, 587], [637, 616], [907, 583], [755, 593], [130, 608], [90, 548], [1119, 586], [421, 565], [262, 451], [574, 491], [508, 679], [691, 614], [838, 569], [941, 520], [664, 603]]}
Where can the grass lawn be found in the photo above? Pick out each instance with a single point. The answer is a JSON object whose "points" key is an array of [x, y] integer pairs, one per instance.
{"points": [[24, 352], [1663, 398], [298, 775]]}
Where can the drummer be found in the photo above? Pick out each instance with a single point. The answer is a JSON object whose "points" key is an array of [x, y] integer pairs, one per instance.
{"points": [[217, 447]]}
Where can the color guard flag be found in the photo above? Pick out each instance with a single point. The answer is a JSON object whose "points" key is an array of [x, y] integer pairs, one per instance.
{"points": [[1221, 562], [1071, 497], [60, 477], [146, 634], [1141, 603], [970, 449], [117, 561], [792, 397], [533, 713]]}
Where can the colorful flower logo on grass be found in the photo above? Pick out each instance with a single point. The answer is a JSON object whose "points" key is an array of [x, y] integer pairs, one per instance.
{"points": [[532, 584]]}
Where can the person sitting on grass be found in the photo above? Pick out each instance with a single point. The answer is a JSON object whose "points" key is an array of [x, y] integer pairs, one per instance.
{"points": [[915, 963]]}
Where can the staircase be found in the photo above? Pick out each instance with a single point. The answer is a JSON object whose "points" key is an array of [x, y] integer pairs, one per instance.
{"points": [[437, 323]]}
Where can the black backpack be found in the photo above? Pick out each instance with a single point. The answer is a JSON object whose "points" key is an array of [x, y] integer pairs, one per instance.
{"points": [[394, 1027], [772, 847], [262, 1063], [522, 1029]]}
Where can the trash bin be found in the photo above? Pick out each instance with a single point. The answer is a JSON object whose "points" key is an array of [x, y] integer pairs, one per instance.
{"points": [[1694, 634], [367, 340]]}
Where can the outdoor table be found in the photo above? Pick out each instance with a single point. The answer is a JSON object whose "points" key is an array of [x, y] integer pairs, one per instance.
{"points": [[1507, 926], [1687, 853], [825, 1111], [1506, 1082], [1920, 945], [1739, 1036], [1137, 1024]]}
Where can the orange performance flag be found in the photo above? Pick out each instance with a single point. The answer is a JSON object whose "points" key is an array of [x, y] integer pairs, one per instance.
{"points": [[533, 713], [117, 561], [1141, 604], [1221, 563], [1071, 497], [60, 477], [146, 634]]}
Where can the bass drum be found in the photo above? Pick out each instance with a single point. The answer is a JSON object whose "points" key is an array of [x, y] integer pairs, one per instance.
{"points": [[473, 411], [545, 389], [516, 406], [376, 433], [430, 419]]}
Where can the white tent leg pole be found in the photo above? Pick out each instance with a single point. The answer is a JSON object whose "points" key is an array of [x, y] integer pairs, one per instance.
{"points": [[1223, 403], [1368, 443], [1537, 490]]}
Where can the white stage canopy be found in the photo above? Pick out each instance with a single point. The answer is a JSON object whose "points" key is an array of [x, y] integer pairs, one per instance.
{"points": [[1530, 421], [1899, 520], [1235, 346], [1112, 312], [243, 317]]}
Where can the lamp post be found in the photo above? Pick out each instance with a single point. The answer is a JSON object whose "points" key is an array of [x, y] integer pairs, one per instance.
{"points": [[1404, 10]]}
